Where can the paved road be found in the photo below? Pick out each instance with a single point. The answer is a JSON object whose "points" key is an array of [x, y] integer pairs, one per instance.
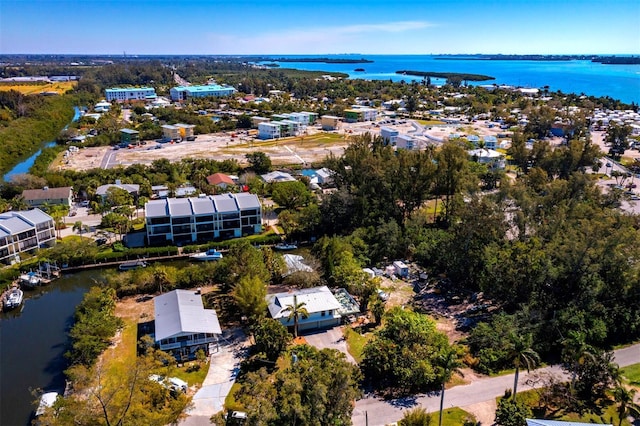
{"points": [[382, 412], [225, 365], [332, 338]]}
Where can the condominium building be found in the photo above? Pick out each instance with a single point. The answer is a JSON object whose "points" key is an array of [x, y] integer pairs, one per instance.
{"points": [[360, 114], [389, 135], [22, 231], [130, 94], [405, 142], [201, 219], [182, 93]]}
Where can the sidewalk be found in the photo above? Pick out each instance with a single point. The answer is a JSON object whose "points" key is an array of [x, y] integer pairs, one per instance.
{"points": [[223, 369]]}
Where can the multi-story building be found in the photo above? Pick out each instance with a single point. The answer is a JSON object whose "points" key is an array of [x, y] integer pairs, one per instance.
{"points": [[322, 307], [201, 219], [330, 122], [177, 131], [389, 135], [23, 231], [183, 326], [130, 94], [360, 114], [405, 142], [268, 130], [49, 196], [182, 93]]}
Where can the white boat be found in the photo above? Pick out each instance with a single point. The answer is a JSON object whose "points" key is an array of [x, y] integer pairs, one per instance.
{"points": [[13, 298], [30, 280], [285, 246], [46, 401], [211, 254], [135, 264]]}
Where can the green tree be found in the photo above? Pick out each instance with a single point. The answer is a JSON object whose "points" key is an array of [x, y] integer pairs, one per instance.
{"points": [[522, 354], [272, 338], [376, 306], [296, 311], [250, 294], [416, 417], [291, 195], [626, 406], [511, 412], [448, 362], [259, 162], [402, 355], [617, 137]]}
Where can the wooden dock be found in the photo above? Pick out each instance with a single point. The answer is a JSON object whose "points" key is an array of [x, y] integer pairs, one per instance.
{"points": [[97, 265]]}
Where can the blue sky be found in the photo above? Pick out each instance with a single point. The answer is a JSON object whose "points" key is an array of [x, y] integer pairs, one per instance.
{"points": [[319, 26]]}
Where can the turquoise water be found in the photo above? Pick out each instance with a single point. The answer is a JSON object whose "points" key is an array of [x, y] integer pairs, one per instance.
{"points": [[617, 81]]}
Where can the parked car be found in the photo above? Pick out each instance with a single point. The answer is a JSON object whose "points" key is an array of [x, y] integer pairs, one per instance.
{"points": [[191, 138], [101, 241], [382, 295]]}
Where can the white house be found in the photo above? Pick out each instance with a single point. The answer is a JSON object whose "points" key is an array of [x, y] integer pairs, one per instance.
{"points": [[50, 196], [405, 142], [22, 231], [401, 269], [268, 130], [389, 135], [277, 176], [491, 158], [320, 303], [325, 176], [130, 93], [182, 324]]}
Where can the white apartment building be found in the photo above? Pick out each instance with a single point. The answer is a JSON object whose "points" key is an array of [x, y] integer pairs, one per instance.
{"points": [[130, 94]]}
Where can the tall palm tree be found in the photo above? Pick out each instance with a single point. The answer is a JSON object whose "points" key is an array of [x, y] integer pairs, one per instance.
{"points": [[449, 362], [626, 406], [522, 354], [576, 352], [296, 311]]}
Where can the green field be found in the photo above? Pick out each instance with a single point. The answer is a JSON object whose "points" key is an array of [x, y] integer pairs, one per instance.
{"points": [[632, 374]]}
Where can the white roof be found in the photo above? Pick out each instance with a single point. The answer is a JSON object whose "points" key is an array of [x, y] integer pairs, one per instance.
{"points": [[536, 422], [296, 263], [277, 176], [485, 153], [182, 311], [316, 299]]}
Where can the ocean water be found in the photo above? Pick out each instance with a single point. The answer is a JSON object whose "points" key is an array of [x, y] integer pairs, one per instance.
{"points": [[582, 77]]}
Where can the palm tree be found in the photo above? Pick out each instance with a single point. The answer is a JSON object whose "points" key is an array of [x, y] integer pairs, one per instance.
{"points": [[449, 362], [296, 311], [522, 354], [576, 352], [626, 407], [78, 226], [160, 278]]}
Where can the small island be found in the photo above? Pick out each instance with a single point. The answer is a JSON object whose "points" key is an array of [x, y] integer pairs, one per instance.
{"points": [[326, 60], [359, 70], [448, 75], [617, 60]]}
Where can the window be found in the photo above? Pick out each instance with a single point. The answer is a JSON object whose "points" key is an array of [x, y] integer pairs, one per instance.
{"points": [[323, 313]]}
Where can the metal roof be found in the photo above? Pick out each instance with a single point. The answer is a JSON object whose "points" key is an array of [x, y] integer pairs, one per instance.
{"points": [[225, 203], [156, 208], [129, 131], [129, 187], [35, 216], [47, 194], [14, 225], [538, 422], [179, 207], [206, 88], [182, 311], [316, 299], [203, 206], [247, 201]]}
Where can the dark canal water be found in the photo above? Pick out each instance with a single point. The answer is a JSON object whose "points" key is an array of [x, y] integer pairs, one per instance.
{"points": [[33, 340]]}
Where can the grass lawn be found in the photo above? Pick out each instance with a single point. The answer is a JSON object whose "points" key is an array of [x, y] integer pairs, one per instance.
{"points": [[607, 415], [632, 374], [230, 402], [452, 417], [356, 342], [430, 122]]}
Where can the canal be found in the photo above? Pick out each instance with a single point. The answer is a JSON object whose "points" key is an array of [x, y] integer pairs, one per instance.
{"points": [[24, 166], [33, 340]]}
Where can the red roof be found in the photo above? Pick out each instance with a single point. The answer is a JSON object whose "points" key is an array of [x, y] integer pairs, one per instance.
{"points": [[219, 178]]}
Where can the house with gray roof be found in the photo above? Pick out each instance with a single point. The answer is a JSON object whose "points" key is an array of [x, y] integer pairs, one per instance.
{"points": [[131, 188], [540, 422], [201, 219], [182, 324], [23, 231], [322, 305], [51, 196]]}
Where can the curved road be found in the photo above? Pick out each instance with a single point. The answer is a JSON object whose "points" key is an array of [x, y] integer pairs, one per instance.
{"points": [[380, 412]]}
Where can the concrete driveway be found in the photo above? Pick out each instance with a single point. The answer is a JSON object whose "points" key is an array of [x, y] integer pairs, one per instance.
{"points": [[332, 338], [225, 365]]}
